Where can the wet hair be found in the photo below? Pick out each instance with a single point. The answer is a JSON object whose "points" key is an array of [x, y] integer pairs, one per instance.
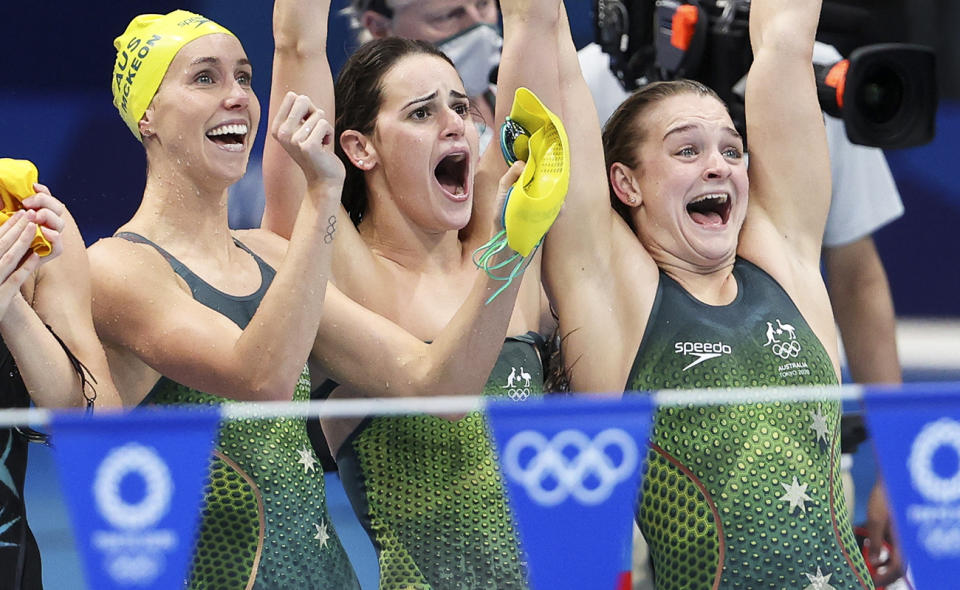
{"points": [[359, 96], [623, 133]]}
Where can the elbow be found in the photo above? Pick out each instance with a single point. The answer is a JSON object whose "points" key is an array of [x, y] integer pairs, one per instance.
{"points": [[273, 387], [787, 38], [431, 380], [299, 47]]}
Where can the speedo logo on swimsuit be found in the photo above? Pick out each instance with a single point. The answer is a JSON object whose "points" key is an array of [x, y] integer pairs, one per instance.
{"points": [[704, 351]]}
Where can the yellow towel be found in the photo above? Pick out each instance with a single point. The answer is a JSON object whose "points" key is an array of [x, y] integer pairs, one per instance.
{"points": [[17, 178]]}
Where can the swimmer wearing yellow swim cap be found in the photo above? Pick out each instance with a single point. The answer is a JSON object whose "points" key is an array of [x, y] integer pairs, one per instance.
{"points": [[144, 52]]}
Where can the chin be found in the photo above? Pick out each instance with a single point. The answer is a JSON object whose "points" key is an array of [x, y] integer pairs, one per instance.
{"points": [[459, 222], [230, 173], [458, 216]]}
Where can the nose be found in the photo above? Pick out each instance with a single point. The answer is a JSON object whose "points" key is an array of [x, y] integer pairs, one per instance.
{"points": [[453, 123], [717, 167], [238, 98]]}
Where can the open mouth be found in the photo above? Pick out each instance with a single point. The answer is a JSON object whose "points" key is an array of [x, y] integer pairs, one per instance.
{"points": [[229, 136], [710, 209], [451, 173]]}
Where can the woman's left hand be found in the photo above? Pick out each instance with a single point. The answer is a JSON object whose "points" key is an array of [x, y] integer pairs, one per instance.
{"points": [[47, 212]]}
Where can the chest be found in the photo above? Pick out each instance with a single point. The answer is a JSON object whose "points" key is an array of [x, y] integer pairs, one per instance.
{"points": [[424, 303], [761, 339]]}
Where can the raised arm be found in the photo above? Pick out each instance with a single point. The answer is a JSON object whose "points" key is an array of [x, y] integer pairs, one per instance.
{"points": [[300, 65], [789, 165], [140, 305], [528, 29], [592, 260]]}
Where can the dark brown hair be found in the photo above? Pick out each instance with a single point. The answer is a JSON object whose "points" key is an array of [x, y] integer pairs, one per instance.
{"points": [[622, 134], [359, 96]]}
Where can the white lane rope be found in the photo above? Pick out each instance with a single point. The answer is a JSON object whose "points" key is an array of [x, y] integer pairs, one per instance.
{"points": [[455, 405]]}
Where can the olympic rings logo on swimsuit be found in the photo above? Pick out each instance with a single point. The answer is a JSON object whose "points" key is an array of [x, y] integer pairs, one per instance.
{"points": [[944, 433], [785, 350], [133, 459], [518, 394], [590, 475]]}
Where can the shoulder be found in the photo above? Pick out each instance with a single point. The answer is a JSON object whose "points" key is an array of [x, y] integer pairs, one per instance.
{"points": [[111, 255], [121, 271], [266, 244]]}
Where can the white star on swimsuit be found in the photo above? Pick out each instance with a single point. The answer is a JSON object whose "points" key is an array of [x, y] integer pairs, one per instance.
{"points": [[306, 459], [796, 495], [819, 425], [322, 534], [819, 581]]}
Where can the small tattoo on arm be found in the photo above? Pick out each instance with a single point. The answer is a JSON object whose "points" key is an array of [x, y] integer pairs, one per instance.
{"points": [[331, 229]]}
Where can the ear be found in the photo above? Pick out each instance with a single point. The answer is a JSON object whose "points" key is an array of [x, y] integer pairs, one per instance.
{"points": [[359, 149], [378, 24], [623, 179], [145, 124]]}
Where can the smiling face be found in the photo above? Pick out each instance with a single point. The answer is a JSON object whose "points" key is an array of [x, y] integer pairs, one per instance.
{"points": [[204, 116], [426, 144], [691, 181]]}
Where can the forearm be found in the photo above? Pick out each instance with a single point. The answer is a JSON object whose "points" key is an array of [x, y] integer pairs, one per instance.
{"points": [[273, 348], [529, 31], [44, 365], [61, 299], [789, 161], [377, 358], [863, 308], [785, 25], [460, 359], [300, 26], [300, 64]]}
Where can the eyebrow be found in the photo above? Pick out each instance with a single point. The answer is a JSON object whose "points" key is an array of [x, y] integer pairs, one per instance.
{"points": [[432, 96], [216, 61], [683, 128], [427, 98]]}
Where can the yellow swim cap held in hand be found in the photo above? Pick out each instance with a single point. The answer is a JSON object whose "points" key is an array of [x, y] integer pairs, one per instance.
{"points": [[534, 201], [144, 52], [534, 134], [17, 178]]}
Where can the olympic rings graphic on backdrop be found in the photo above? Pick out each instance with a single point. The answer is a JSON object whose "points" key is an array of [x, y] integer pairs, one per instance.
{"points": [[787, 349], [133, 459], [934, 436], [592, 462]]}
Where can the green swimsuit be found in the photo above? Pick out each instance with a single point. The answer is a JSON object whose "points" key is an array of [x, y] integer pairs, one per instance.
{"points": [[748, 495], [429, 492], [264, 521]]}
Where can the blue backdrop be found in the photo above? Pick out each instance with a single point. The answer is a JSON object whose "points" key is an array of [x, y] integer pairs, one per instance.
{"points": [[56, 109]]}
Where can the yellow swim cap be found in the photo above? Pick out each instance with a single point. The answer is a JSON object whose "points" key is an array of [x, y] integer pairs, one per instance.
{"points": [[535, 199], [144, 52], [17, 178]]}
